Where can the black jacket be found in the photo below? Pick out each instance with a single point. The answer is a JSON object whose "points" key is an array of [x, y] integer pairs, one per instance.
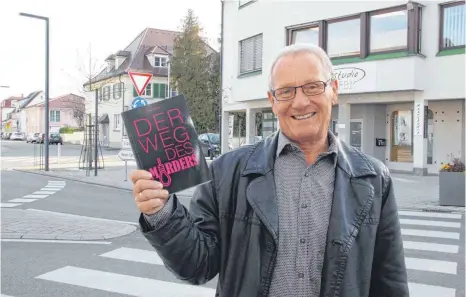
{"points": [[231, 228]]}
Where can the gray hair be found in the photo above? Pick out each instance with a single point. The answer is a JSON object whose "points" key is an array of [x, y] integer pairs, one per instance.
{"points": [[303, 48]]}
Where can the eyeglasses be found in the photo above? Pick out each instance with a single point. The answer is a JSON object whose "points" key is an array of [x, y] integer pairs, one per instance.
{"points": [[309, 89]]}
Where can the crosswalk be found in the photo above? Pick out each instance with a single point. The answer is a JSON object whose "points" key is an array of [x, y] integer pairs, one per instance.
{"points": [[432, 251], [52, 187]]}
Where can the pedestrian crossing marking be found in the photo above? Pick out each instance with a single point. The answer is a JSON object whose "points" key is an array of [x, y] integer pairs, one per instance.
{"points": [[124, 284], [8, 205], [135, 255], [429, 214], [430, 223], [431, 265], [428, 233], [44, 193], [422, 290], [21, 200], [36, 196], [432, 247]]}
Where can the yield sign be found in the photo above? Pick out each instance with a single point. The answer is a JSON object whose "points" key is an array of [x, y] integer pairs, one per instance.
{"points": [[140, 81]]}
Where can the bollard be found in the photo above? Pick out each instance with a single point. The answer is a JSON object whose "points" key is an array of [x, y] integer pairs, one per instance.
{"points": [[58, 153]]}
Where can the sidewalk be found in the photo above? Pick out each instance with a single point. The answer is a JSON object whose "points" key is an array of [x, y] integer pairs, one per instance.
{"points": [[412, 192], [47, 225]]}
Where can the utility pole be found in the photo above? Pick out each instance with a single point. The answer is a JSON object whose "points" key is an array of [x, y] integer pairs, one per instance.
{"points": [[47, 56]]}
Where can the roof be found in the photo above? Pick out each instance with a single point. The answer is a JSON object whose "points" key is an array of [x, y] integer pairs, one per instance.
{"points": [[156, 41], [64, 101], [28, 99]]}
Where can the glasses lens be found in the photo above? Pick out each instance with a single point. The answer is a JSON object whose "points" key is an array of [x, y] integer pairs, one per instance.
{"points": [[284, 93], [314, 88]]}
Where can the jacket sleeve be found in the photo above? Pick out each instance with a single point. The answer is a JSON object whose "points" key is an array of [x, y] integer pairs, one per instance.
{"points": [[389, 276], [188, 242]]}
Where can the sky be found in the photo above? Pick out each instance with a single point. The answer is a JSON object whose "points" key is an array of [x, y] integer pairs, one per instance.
{"points": [[77, 26]]}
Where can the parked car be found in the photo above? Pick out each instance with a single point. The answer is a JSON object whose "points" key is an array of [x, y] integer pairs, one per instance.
{"points": [[32, 137], [210, 144], [17, 136], [55, 138], [6, 135]]}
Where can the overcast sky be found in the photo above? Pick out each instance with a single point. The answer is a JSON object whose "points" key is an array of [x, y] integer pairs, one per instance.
{"points": [[74, 25]]}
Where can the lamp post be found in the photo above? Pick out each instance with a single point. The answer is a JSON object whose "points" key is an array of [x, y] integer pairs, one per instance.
{"points": [[47, 54]]}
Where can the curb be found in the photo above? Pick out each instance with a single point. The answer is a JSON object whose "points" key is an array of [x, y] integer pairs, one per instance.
{"points": [[71, 237], [436, 209], [74, 179]]}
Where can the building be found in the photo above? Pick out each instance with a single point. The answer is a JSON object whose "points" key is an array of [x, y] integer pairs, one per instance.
{"points": [[64, 111], [16, 120], [7, 106], [400, 67], [148, 53]]}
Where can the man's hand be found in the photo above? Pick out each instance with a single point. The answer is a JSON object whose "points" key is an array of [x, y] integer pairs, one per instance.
{"points": [[149, 194]]}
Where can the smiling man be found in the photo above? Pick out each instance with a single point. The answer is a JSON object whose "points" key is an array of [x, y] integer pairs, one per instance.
{"points": [[298, 214]]}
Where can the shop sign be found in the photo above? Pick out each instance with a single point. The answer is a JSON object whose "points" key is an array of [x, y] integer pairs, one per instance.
{"points": [[356, 79]]}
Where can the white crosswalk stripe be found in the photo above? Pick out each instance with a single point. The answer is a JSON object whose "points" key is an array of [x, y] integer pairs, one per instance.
{"points": [[51, 188], [126, 284], [434, 239], [419, 243]]}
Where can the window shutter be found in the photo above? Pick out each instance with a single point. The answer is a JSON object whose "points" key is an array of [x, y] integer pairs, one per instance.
{"points": [[163, 90], [251, 54]]}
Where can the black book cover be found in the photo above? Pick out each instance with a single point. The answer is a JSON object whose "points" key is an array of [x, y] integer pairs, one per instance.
{"points": [[165, 143]]}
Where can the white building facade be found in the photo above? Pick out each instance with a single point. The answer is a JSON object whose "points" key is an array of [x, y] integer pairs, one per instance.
{"points": [[400, 66]]}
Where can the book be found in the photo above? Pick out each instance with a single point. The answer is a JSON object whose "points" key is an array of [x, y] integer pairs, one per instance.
{"points": [[164, 142]]}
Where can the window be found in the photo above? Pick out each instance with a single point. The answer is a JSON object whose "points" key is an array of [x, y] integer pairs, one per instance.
{"points": [[125, 108], [344, 38], [401, 136], [117, 90], [306, 35], [148, 90], [105, 93], [452, 32], [160, 61], [269, 123], [388, 31], [116, 122], [251, 54], [160, 91], [55, 116]]}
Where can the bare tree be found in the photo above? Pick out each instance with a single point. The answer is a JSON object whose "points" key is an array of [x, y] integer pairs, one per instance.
{"points": [[78, 108]]}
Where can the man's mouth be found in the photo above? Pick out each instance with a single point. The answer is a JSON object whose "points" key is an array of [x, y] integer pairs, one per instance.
{"points": [[304, 116]]}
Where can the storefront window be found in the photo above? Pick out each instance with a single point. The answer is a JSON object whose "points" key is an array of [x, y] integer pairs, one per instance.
{"points": [[401, 136]]}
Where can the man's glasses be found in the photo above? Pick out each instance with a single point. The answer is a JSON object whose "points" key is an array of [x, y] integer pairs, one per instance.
{"points": [[310, 89]]}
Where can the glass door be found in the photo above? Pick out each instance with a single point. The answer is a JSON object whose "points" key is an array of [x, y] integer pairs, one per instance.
{"points": [[356, 134]]}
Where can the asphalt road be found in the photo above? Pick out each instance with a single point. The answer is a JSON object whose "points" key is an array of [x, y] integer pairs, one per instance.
{"points": [[128, 266]]}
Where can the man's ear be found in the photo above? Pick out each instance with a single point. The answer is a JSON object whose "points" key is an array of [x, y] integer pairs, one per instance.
{"points": [[334, 85], [271, 100]]}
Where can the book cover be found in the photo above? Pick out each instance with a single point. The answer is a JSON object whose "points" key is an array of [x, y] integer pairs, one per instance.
{"points": [[165, 143]]}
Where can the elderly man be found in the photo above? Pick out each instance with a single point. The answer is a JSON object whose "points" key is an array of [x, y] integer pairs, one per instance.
{"points": [[298, 214]]}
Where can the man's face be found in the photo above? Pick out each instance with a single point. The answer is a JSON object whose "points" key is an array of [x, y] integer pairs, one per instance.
{"points": [[305, 117]]}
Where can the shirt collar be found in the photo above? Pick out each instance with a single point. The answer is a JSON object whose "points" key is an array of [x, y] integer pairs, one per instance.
{"points": [[285, 143]]}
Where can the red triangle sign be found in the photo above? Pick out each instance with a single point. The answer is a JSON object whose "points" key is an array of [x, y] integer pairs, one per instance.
{"points": [[140, 81]]}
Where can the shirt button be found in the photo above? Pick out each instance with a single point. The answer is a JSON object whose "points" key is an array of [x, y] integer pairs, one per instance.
{"points": [[300, 275], [304, 205], [302, 240], [306, 175]]}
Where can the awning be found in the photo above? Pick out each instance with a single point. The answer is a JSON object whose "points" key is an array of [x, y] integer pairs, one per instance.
{"points": [[103, 119]]}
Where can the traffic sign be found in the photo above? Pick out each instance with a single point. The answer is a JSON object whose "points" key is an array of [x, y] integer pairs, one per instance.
{"points": [[138, 102], [126, 155], [125, 144], [140, 81]]}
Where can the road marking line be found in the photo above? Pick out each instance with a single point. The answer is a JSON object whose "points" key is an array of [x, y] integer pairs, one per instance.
{"points": [[432, 247], [44, 192], [55, 241], [35, 196], [429, 214], [429, 233], [430, 223], [6, 204], [135, 255], [431, 265], [48, 188], [421, 290], [21, 200], [123, 284], [3, 295], [86, 217]]}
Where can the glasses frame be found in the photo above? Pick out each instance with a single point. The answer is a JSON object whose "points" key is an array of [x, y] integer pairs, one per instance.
{"points": [[326, 84]]}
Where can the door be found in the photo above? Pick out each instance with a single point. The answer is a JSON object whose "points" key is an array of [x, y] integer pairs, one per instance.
{"points": [[356, 133]]}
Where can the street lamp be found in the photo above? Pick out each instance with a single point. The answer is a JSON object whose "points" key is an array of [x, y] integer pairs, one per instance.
{"points": [[47, 45]]}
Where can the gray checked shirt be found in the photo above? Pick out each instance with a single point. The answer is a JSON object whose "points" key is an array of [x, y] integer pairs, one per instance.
{"points": [[304, 197]]}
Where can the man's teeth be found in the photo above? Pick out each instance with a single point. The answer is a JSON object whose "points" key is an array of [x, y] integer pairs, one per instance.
{"points": [[306, 116]]}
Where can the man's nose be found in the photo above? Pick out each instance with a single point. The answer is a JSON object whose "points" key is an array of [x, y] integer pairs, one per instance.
{"points": [[300, 99]]}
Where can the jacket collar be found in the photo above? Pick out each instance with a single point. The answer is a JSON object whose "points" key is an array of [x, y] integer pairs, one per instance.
{"points": [[261, 158]]}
